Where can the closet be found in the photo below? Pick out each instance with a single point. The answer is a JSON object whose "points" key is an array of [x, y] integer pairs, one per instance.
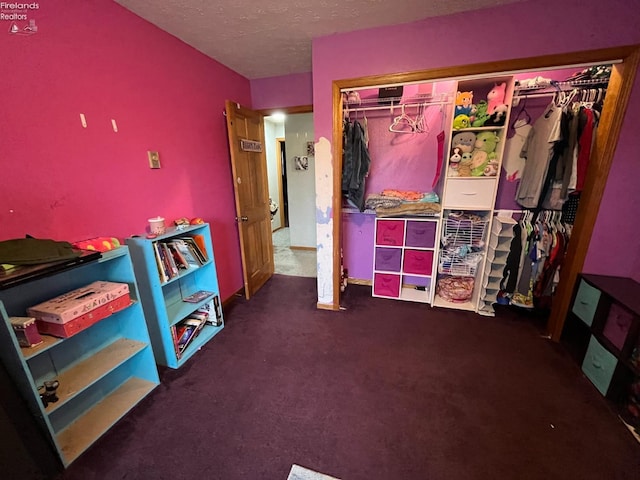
{"points": [[428, 144]]}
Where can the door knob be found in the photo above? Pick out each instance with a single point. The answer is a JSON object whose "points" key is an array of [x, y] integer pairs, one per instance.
{"points": [[242, 219]]}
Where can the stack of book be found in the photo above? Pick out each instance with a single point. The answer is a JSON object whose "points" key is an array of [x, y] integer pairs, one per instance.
{"points": [[179, 253], [184, 332]]}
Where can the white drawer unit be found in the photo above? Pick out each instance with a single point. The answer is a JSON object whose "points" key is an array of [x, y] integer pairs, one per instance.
{"points": [[470, 193]]}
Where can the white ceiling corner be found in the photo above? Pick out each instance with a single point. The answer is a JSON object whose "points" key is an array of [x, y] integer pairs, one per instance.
{"points": [[273, 37]]}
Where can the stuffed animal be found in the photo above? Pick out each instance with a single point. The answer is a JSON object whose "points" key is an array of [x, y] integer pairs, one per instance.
{"points": [[464, 169], [480, 115], [454, 162], [491, 170], [464, 102], [461, 121], [496, 96], [100, 244], [464, 141], [498, 117], [484, 152]]}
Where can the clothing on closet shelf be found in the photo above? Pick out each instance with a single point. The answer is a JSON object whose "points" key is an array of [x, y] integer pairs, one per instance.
{"points": [[355, 164], [513, 161]]}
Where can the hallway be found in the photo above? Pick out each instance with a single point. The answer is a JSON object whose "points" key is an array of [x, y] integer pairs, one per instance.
{"points": [[293, 262]]}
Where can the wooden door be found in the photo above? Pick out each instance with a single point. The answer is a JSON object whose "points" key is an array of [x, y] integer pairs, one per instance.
{"points": [[249, 168]]}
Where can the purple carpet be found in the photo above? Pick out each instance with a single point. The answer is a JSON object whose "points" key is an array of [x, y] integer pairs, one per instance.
{"points": [[383, 390]]}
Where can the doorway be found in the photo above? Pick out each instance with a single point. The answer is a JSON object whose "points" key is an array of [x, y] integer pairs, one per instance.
{"points": [[291, 178]]}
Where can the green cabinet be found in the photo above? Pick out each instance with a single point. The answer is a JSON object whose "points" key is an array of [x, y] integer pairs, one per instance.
{"points": [[163, 293], [103, 371]]}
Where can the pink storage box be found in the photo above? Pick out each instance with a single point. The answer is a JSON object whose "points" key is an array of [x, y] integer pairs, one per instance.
{"points": [[76, 325], [78, 302]]}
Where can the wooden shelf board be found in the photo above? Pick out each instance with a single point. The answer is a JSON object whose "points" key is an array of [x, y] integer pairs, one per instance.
{"points": [[47, 342], [76, 438], [77, 378], [441, 302]]}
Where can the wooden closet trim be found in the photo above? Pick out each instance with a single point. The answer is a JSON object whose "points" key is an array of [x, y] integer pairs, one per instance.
{"points": [[618, 93]]}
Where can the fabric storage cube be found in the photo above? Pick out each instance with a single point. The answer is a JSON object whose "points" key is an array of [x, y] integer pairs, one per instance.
{"points": [[586, 302], [420, 234], [388, 259], [617, 325], [418, 261], [390, 232], [386, 285], [598, 365]]}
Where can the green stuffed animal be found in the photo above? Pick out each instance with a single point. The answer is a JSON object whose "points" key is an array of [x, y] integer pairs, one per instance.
{"points": [[461, 121], [481, 114], [484, 152]]}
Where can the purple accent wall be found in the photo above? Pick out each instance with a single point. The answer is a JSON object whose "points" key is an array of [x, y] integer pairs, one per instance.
{"points": [[283, 91], [66, 182], [525, 30]]}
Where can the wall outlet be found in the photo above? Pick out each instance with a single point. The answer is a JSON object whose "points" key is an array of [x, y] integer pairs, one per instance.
{"points": [[154, 159]]}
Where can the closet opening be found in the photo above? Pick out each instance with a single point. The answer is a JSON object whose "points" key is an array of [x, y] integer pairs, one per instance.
{"points": [[431, 118]]}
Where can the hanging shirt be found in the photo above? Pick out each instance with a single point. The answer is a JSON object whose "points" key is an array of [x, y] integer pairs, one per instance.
{"points": [[513, 162], [537, 151]]}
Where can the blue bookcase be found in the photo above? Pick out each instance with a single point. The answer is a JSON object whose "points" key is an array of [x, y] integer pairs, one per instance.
{"points": [[104, 370], [163, 299]]}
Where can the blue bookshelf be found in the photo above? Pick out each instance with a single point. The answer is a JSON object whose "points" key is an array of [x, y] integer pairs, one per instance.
{"points": [[162, 298], [104, 370]]}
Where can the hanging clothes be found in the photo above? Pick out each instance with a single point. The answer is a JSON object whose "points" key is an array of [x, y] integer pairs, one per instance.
{"points": [[355, 165], [538, 151], [513, 162]]}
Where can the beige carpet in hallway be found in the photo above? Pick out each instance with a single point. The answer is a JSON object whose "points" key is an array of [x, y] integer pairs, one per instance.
{"points": [[293, 262]]}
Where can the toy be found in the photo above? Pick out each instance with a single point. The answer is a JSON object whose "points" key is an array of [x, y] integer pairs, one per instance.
{"points": [[454, 162], [464, 169], [464, 141], [481, 115], [496, 96], [491, 170], [485, 146], [498, 117], [461, 121], [100, 244], [464, 101], [197, 221]]}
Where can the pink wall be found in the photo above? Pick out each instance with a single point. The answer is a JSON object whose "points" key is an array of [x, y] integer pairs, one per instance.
{"points": [[284, 91], [524, 30], [66, 182]]}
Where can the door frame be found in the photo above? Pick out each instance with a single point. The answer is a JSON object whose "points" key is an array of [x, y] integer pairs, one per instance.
{"points": [[279, 140], [618, 93]]}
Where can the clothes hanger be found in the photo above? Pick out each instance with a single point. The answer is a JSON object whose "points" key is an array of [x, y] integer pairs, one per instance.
{"points": [[522, 110], [403, 123]]}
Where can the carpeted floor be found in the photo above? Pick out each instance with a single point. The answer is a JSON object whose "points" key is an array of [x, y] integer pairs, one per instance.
{"points": [[293, 262], [384, 390]]}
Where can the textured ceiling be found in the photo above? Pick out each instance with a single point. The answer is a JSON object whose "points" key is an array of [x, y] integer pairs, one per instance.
{"points": [[273, 37]]}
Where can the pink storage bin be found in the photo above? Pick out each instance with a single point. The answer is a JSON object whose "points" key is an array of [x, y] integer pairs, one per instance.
{"points": [[386, 285], [390, 232], [617, 325], [418, 262]]}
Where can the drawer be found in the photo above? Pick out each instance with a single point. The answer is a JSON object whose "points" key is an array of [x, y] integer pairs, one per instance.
{"points": [[388, 259], [617, 325], [386, 285], [390, 232], [420, 234], [598, 365], [476, 193], [586, 302], [418, 262]]}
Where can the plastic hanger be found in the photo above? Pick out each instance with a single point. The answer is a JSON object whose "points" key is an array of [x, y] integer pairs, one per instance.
{"points": [[403, 123]]}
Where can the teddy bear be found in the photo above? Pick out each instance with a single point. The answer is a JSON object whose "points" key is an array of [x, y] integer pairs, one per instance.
{"points": [[464, 101], [480, 116], [484, 152], [461, 121], [498, 117], [496, 96], [464, 141]]}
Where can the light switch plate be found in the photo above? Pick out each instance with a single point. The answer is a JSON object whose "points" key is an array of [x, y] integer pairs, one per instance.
{"points": [[154, 159]]}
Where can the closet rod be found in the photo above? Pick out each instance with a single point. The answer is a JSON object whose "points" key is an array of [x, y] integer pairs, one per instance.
{"points": [[392, 107]]}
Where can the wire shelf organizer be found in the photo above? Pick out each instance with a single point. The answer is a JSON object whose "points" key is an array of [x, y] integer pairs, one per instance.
{"points": [[463, 238]]}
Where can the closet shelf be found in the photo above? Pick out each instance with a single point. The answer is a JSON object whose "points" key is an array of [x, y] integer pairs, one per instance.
{"points": [[391, 103]]}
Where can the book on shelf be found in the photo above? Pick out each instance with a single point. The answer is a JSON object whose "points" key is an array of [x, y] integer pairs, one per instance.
{"points": [[200, 242], [198, 296], [193, 247], [160, 264], [188, 330], [187, 252], [212, 312], [174, 337]]}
